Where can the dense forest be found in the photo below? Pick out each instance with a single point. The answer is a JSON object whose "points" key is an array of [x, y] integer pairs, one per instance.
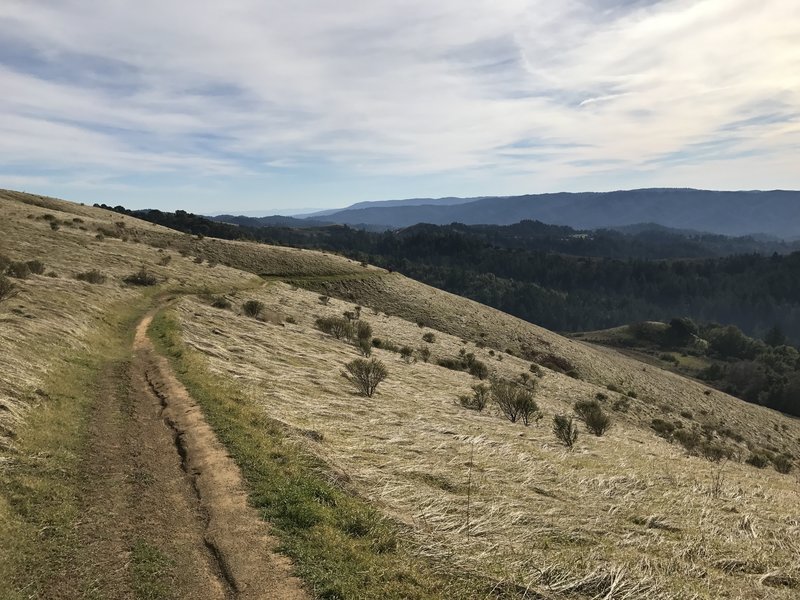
{"points": [[568, 280], [564, 279]]}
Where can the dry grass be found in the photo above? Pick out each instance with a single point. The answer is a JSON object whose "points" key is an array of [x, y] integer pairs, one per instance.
{"points": [[625, 515]]}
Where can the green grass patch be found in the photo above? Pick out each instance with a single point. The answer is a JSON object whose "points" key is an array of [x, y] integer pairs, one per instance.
{"points": [[40, 477], [341, 546], [151, 572]]}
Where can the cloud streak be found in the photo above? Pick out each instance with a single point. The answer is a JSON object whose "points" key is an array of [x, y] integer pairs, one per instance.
{"points": [[516, 96]]}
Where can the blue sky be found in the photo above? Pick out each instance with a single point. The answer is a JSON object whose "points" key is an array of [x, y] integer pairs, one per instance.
{"points": [[259, 105]]}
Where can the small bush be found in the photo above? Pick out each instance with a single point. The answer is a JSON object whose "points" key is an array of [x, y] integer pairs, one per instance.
{"points": [[385, 345], [783, 464], [601, 396], [632, 394], [338, 327], [689, 439], [35, 266], [478, 399], [17, 269], [291, 319], [7, 288], [613, 387], [4, 262], [54, 225], [366, 375], [555, 363], [662, 428], [325, 300], [757, 459], [407, 353], [220, 302], [514, 401], [364, 346], [363, 330], [593, 416], [253, 308], [450, 363], [428, 337], [93, 276], [565, 430], [424, 354], [141, 277], [478, 369], [165, 260]]}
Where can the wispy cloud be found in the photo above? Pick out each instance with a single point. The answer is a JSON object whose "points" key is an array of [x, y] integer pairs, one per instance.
{"points": [[479, 95]]}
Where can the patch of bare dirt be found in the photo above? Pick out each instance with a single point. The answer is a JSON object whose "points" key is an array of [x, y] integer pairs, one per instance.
{"points": [[156, 477]]}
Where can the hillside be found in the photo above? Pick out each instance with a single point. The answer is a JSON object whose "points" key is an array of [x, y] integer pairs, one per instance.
{"points": [[405, 494], [774, 213]]}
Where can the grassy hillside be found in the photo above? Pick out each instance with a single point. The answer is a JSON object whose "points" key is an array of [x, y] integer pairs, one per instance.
{"points": [[407, 493]]}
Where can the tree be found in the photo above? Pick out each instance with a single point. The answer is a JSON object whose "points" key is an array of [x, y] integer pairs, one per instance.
{"points": [[775, 337]]}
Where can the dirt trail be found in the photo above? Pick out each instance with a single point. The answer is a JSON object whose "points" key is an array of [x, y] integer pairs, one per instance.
{"points": [[165, 514]]}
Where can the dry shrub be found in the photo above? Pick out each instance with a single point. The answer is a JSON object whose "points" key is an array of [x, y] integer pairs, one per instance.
{"points": [[220, 302], [338, 327], [565, 430], [424, 353], [18, 269], [93, 276], [142, 277], [35, 266], [428, 337], [514, 401], [252, 308], [7, 288], [366, 375], [593, 416], [478, 399], [363, 330]]}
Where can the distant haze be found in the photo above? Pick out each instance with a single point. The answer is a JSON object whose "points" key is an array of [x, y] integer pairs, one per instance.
{"points": [[775, 213]]}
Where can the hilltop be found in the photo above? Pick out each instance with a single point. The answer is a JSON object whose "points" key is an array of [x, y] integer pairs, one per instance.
{"points": [[736, 213], [405, 494]]}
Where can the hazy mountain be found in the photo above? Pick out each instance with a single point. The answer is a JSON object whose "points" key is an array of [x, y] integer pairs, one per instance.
{"points": [[775, 213], [449, 201]]}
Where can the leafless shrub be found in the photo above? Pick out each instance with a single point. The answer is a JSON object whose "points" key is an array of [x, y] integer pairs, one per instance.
{"points": [[514, 401], [7, 288], [93, 276], [565, 430], [366, 375], [478, 399], [253, 308]]}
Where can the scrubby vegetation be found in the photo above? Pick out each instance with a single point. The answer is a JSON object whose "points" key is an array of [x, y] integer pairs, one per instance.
{"points": [[93, 276], [478, 399], [8, 288], [565, 430], [466, 361], [593, 416], [366, 375], [142, 277], [514, 401], [252, 308]]}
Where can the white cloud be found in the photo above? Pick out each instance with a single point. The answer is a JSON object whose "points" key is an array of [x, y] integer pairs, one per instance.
{"points": [[539, 92]]}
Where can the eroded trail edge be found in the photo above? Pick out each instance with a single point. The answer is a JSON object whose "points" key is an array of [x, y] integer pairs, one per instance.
{"points": [[238, 539]]}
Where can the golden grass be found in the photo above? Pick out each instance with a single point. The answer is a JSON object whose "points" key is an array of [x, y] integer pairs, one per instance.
{"points": [[625, 515]]}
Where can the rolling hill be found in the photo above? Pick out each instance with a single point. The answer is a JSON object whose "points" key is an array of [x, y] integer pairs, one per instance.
{"points": [[142, 422], [775, 213]]}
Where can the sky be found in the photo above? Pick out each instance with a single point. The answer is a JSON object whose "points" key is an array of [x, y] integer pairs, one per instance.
{"points": [[260, 105]]}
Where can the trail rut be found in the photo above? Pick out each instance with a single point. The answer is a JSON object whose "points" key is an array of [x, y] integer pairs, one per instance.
{"points": [[164, 508]]}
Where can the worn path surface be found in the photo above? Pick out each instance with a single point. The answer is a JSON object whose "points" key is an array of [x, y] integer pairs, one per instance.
{"points": [[165, 514]]}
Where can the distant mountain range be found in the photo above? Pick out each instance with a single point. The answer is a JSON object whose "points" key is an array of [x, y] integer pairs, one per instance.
{"points": [[771, 213]]}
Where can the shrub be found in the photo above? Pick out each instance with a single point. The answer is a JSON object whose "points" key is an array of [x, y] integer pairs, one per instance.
{"points": [[54, 225], [662, 428], [687, 414], [565, 430], [363, 330], [428, 337], [613, 387], [364, 346], [593, 416], [93, 276], [7, 288], [632, 394], [424, 354], [165, 260], [4, 262], [35, 266], [324, 300], [688, 438], [555, 363], [514, 401], [478, 369], [407, 353], [338, 327], [478, 399], [220, 302], [17, 269], [291, 319], [758, 459], [783, 464], [366, 375], [253, 308], [141, 277]]}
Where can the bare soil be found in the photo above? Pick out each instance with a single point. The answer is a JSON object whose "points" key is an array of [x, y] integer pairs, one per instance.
{"points": [[165, 514]]}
